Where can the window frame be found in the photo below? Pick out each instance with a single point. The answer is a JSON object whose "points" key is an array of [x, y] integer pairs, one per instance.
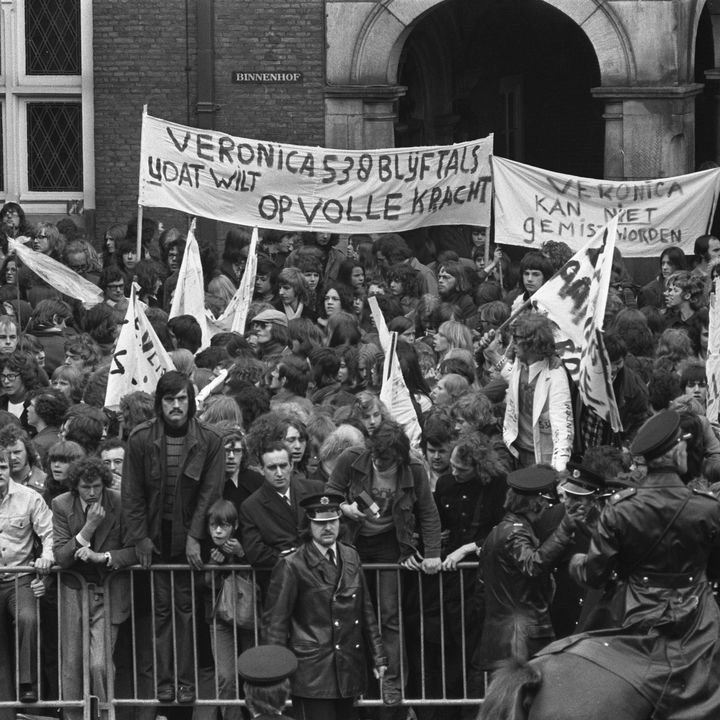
{"points": [[17, 89]]}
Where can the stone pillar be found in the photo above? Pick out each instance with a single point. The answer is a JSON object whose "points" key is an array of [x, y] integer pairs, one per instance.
{"points": [[713, 76], [649, 131], [361, 116]]}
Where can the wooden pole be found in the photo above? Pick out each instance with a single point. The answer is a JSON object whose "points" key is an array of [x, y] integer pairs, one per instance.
{"points": [[138, 251]]}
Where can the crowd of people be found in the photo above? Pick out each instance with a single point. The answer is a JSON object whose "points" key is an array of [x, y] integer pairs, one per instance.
{"points": [[294, 467]]}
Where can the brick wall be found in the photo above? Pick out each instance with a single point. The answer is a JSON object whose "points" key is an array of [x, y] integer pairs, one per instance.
{"points": [[145, 52]]}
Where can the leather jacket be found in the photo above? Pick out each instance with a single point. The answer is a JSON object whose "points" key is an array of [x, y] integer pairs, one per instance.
{"points": [[328, 623]]}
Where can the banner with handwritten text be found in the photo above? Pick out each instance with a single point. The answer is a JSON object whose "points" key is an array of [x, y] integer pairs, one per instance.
{"points": [[274, 185], [534, 205]]}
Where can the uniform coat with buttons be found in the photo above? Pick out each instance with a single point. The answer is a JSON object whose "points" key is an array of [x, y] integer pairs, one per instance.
{"points": [[659, 538], [324, 615]]}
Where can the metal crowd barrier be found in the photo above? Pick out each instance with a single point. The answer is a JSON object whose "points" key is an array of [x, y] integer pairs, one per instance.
{"points": [[437, 630]]}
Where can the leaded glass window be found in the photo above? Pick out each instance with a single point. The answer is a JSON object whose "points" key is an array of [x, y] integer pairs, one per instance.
{"points": [[54, 134], [52, 37]]}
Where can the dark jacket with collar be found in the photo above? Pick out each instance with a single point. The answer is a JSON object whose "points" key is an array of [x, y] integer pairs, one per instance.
{"points": [[201, 477], [515, 580], [68, 521], [326, 620], [269, 526], [413, 508]]}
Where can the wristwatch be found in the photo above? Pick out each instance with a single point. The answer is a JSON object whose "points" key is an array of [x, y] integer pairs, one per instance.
{"points": [[108, 559]]}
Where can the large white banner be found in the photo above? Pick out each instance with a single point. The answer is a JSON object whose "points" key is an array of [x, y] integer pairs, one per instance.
{"points": [[534, 205], [274, 185]]}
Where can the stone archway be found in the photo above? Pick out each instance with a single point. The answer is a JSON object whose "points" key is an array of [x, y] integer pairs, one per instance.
{"points": [[642, 51]]}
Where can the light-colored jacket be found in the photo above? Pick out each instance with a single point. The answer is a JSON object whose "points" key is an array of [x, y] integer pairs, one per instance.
{"points": [[552, 415]]}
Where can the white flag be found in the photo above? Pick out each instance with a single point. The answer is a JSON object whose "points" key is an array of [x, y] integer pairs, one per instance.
{"points": [[712, 363], [234, 316], [189, 297], [380, 324], [396, 397], [139, 358], [595, 375], [58, 276]]}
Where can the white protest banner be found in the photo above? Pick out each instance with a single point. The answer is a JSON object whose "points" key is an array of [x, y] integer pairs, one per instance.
{"points": [[189, 297], [139, 358], [275, 185], [395, 395], [533, 205], [58, 276], [564, 299], [595, 375], [712, 363]]}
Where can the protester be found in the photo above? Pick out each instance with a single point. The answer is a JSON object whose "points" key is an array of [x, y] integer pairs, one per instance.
{"points": [[306, 398]]}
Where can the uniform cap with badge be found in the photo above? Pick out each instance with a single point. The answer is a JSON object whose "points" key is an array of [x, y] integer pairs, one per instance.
{"points": [[658, 435], [266, 664], [324, 507], [533, 480], [582, 481]]}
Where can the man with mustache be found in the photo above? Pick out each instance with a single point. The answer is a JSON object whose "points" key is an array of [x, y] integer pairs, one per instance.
{"points": [[173, 472]]}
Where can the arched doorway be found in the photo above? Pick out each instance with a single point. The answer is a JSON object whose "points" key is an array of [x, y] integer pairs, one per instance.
{"points": [[521, 70]]}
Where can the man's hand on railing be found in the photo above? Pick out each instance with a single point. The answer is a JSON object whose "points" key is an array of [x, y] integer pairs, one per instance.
{"points": [[379, 672], [42, 565], [414, 562], [144, 549], [431, 566], [87, 555], [192, 553]]}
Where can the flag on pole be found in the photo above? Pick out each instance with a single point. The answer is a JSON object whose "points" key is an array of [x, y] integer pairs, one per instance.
{"points": [[380, 324], [396, 397], [574, 299], [57, 275], [139, 358], [712, 364], [189, 297], [234, 316], [595, 380], [394, 392]]}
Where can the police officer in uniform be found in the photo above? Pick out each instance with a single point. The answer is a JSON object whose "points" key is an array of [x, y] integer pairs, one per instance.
{"points": [[581, 489], [515, 570], [265, 670], [659, 538], [319, 607]]}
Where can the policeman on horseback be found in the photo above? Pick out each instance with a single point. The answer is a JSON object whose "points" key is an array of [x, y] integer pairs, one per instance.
{"points": [[659, 538], [663, 660]]}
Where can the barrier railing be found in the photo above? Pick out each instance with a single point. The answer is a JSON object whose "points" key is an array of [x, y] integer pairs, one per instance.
{"points": [[160, 644]]}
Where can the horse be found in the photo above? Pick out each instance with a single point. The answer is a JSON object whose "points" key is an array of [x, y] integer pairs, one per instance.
{"points": [[561, 686]]}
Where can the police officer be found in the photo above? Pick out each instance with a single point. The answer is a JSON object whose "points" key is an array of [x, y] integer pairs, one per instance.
{"points": [[319, 607], [658, 537], [581, 490], [515, 570], [265, 670]]}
